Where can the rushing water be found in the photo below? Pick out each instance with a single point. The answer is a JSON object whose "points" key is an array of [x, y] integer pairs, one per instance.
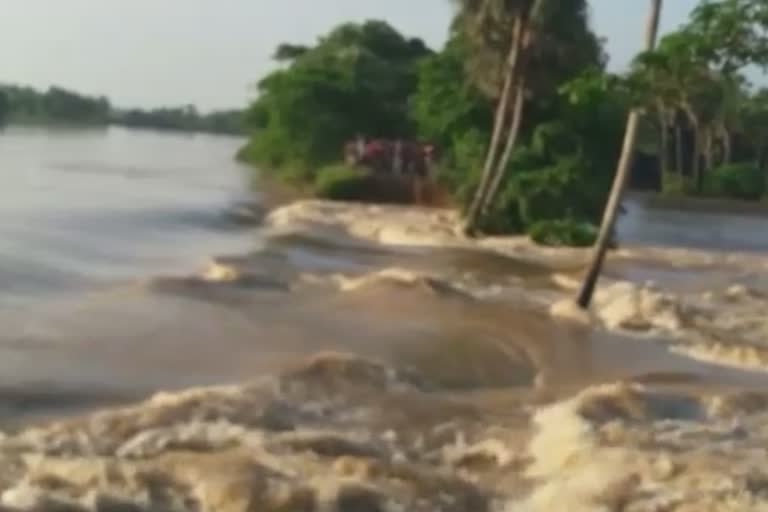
{"points": [[102, 237], [99, 227]]}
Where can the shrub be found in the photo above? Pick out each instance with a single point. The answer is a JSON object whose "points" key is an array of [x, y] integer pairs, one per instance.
{"points": [[459, 171], [504, 216], [563, 232], [342, 183], [735, 181], [561, 190], [674, 184]]}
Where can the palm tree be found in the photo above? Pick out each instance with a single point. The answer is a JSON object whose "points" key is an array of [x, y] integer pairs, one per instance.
{"points": [[484, 17], [518, 47], [557, 38], [511, 143], [622, 174]]}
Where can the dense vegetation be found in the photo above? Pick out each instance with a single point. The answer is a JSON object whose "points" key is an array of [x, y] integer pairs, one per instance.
{"points": [[523, 110], [26, 105], [57, 105], [356, 80], [709, 123], [181, 119], [369, 79]]}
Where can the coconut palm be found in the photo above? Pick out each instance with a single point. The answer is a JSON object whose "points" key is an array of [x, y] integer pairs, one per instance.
{"points": [[622, 174], [516, 45], [486, 22], [558, 39]]}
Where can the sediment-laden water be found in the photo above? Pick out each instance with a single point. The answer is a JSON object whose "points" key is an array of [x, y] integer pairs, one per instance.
{"points": [[362, 358]]}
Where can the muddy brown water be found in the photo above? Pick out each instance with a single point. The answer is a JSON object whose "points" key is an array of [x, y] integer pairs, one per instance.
{"points": [[100, 231]]}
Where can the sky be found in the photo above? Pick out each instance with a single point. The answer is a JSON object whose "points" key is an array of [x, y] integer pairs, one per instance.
{"points": [[209, 53]]}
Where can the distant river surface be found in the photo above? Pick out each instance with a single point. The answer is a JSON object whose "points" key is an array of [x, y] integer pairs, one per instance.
{"points": [[81, 207]]}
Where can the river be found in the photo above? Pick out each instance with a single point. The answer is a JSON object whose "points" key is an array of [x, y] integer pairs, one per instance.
{"points": [[100, 228], [436, 376], [90, 210], [86, 207], [83, 207]]}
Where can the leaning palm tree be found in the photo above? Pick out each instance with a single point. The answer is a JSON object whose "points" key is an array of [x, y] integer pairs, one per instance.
{"points": [[558, 38], [518, 46], [484, 20], [605, 237]]}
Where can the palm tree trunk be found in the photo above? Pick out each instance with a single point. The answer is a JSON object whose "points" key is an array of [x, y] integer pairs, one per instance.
{"points": [[679, 157], [696, 156], [725, 136], [664, 145], [622, 175], [473, 214], [519, 106], [709, 150], [514, 133]]}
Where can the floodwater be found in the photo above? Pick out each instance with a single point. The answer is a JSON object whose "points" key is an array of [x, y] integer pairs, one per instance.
{"points": [[102, 231], [91, 210], [80, 208], [700, 224]]}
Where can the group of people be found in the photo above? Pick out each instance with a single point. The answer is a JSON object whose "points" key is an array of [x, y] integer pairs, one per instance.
{"points": [[395, 157]]}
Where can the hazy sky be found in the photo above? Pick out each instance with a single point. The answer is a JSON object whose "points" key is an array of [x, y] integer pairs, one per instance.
{"points": [[210, 52]]}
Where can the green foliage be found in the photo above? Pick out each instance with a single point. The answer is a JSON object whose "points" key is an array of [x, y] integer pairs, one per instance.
{"points": [[460, 168], [563, 232], [185, 118], [565, 170], [736, 181], [341, 182], [288, 52], [344, 183], [542, 189], [560, 190], [55, 105], [445, 105], [368, 79], [674, 184], [695, 82], [5, 107], [65, 105], [449, 110], [357, 79], [565, 43]]}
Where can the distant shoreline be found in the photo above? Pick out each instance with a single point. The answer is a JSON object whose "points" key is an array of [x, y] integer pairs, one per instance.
{"points": [[26, 123], [700, 204]]}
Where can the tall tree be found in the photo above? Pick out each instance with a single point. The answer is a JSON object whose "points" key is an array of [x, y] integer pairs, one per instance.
{"points": [[483, 16], [622, 174], [5, 107], [519, 47], [356, 80], [557, 46]]}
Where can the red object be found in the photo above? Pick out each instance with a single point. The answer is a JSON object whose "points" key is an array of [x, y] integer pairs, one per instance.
{"points": [[379, 156]]}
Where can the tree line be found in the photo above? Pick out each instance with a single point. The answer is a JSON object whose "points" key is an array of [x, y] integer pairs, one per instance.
{"points": [[709, 121], [369, 79], [58, 105], [529, 122]]}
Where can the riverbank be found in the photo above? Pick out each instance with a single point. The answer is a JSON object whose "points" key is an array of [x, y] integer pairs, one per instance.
{"points": [[453, 383], [430, 227], [700, 204]]}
